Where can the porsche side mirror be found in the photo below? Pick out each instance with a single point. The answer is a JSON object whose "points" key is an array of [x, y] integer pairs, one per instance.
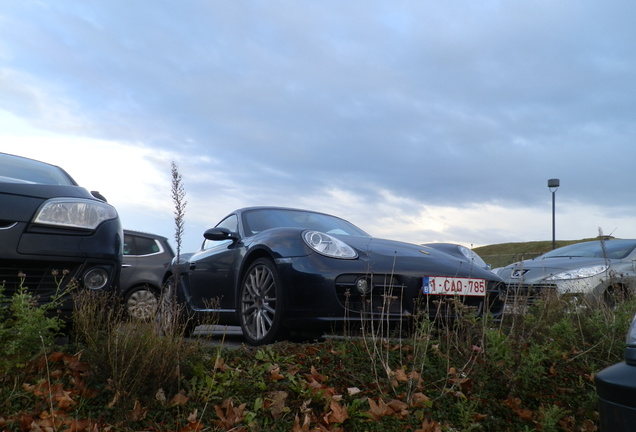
{"points": [[218, 234]]}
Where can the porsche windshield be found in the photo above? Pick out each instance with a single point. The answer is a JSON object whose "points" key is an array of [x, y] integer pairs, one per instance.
{"points": [[613, 249], [255, 221]]}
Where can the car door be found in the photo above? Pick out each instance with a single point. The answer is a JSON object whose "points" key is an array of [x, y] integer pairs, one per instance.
{"points": [[129, 261], [211, 272]]}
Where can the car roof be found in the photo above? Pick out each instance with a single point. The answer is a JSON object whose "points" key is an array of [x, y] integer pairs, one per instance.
{"points": [[145, 234]]}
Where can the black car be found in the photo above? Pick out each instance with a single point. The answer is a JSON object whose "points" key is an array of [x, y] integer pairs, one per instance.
{"points": [[54, 232], [146, 258], [616, 389], [277, 271]]}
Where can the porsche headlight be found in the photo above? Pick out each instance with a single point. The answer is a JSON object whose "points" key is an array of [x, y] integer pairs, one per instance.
{"points": [[328, 245], [579, 273], [74, 213]]}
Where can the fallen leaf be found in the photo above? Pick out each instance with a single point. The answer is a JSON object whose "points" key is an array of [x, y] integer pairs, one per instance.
{"points": [[353, 391], [179, 399], [160, 396], [275, 402], [138, 412], [400, 375], [420, 400], [304, 427], [338, 413], [77, 425], [378, 409], [274, 374], [193, 424], [219, 364], [229, 415], [400, 409], [316, 376], [430, 425]]}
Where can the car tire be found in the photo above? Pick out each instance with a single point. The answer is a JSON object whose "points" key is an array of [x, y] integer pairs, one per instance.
{"points": [[615, 294], [141, 303], [171, 316], [261, 304]]}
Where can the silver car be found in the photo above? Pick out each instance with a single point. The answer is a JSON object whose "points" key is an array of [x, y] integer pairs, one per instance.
{"points": [[595, 270]]}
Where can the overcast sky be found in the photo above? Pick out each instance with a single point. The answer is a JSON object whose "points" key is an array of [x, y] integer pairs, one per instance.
{"points": [[422, 121]]}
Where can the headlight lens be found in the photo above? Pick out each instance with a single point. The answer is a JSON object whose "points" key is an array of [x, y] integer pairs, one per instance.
{"points": [[579, 273], [75, 213], [328, 245]]}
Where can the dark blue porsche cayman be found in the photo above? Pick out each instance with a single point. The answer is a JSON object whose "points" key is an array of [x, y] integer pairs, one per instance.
{"points": [[277, 272]]}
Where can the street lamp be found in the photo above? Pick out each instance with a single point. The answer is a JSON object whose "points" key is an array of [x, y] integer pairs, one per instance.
{"points": [[553, 184]]}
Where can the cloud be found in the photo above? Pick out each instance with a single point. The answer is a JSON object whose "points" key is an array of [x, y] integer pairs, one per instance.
{"points": [[425, 120]]}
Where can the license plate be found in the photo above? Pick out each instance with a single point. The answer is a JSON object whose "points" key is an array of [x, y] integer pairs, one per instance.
{"points": [[441, 285]]}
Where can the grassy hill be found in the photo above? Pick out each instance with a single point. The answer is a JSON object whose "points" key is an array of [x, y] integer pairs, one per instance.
{"points": [[500, 255]]}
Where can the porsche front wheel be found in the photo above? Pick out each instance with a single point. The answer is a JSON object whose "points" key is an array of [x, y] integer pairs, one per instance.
{"points": [[261, 305]]}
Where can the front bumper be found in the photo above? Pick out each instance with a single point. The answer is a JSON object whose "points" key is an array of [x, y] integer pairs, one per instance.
{"points": [[330, 298], [51, 262]]}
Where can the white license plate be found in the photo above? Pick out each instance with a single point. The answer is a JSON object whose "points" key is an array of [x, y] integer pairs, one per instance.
{"points": [[441, 285]]}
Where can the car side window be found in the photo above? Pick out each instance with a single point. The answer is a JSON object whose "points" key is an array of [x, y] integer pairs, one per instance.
{"points": [[136, 245], [129, 244], [230, 222]]}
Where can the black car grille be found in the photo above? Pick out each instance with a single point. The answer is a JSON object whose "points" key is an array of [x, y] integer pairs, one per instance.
{"points": [[386, 295], [524, 294], [392, 296], [43, 279]]}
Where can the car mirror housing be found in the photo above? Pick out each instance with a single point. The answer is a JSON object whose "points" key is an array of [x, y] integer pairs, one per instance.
{"points": [[219, 234]]}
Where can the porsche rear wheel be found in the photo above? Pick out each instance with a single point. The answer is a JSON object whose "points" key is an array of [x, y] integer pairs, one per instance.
{"points": [[261, 307]]}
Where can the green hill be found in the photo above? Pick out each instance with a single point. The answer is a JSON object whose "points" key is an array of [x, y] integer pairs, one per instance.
{"points": [[500, 255]]}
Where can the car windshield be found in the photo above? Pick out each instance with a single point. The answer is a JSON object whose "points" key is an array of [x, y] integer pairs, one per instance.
{"points": [[615, 249], [255, 221], [15, 169]]}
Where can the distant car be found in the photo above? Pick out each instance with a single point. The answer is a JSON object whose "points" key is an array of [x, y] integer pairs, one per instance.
{"points": [[616, 389], [53, 231], [599, 270], [279, 271], [145, 260], [462, 252]]}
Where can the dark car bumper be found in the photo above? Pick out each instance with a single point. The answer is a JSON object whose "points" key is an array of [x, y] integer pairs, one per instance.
{"points": [[616, 388], [329, 298], [50, 262]]}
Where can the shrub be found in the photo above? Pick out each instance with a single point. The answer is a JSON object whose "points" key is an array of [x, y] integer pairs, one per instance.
{"points": [[27, 327]]}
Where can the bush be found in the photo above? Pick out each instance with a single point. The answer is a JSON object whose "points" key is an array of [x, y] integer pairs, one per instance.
{"points": [[136, 358], [27, 328]]}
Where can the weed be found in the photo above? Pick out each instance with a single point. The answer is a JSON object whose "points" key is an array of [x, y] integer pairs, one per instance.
{"points": [[27, 327]]}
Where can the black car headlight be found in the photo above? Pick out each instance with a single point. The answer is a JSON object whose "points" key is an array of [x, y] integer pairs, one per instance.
{"points": [[74, 213], [328, 245]]}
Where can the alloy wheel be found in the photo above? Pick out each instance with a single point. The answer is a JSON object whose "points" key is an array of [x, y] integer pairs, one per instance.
{"points": [[259, 304]]}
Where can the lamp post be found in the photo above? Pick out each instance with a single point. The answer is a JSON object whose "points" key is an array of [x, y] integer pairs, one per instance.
{"points": [[553, 184]]}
